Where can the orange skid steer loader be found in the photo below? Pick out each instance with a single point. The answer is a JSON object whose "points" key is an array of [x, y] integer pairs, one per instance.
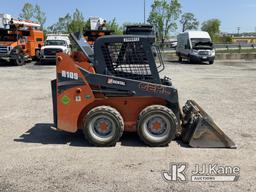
{"points": [[116, 87]]}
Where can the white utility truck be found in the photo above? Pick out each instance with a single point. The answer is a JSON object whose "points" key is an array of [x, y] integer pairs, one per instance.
{"points": [[195, 46], [54, 43]]}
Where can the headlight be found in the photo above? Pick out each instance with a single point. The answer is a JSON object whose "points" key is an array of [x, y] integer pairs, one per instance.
{"points": [[9, 48], [213, 52], [195, 52]]}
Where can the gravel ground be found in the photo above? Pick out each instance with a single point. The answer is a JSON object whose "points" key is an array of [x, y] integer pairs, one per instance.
{"points": [[33, 157]]}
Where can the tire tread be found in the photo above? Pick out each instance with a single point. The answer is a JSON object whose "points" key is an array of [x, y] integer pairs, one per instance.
{"points": [[155, 108], [101, 109]]}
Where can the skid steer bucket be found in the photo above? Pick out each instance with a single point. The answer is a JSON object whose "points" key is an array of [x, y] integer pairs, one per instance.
{"points": [[200, 131]]}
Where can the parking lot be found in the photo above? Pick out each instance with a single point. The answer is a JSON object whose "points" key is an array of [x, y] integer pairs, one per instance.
{"points": [[34, 157]]}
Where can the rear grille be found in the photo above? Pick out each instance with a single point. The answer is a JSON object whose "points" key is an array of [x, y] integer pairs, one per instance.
{"points": [[3, 50], [206, 53], [51, 51]]}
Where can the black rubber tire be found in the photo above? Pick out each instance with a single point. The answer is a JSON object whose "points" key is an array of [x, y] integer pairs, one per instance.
{"points": [[109, 112], [211, 62], [190, 61], [180, 59], [159, 110], [41, 62], [20, 60], [38, 55]]}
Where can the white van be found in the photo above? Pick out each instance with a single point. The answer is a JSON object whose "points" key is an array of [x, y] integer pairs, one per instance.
{"points": [[195, 46]]}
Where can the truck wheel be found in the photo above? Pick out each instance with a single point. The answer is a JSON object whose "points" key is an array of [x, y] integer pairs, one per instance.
{"points": [[211, 62], [41, 62], [103, 126], [38, 55], [180, 59], [20, 60], [157, 125], [190, 60]]}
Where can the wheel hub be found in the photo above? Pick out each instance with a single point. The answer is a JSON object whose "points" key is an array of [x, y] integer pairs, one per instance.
{"points": [[103, 126], [157, 125]]}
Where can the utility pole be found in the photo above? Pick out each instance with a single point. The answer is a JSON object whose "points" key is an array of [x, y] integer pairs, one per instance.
{"points": [[238, 30], [144, 11]]}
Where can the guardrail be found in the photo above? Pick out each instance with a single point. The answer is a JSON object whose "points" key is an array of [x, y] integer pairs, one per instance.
{"points": [[168, 46], [234, 46]]}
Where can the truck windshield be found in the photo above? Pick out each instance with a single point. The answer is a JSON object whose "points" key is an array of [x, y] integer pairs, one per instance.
{"points": [[10, 37], [199, 42], [55, 42]]}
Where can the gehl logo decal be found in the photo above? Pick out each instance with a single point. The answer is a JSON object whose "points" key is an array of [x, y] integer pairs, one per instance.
{"points": [[156, 89]]}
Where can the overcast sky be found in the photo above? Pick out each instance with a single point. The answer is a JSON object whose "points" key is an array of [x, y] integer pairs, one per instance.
{"points": [[232, 13]]}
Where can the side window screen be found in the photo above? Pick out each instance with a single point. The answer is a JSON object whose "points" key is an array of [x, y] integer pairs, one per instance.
{"points": [[39, 39]]}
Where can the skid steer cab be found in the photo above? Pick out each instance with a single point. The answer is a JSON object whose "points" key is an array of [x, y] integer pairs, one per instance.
{"points": [[116, 87]]}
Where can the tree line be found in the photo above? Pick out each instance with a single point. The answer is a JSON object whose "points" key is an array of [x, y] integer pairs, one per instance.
{"points": [[165, 16], [71, 22], [35, 13]]}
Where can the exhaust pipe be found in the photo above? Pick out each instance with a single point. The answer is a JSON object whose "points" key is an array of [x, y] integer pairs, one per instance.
{"points": [[200, 131]]}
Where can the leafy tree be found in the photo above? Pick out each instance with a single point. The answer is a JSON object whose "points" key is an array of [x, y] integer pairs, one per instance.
{"points": [[30, 12], [164, 16], [39, 15], [113, 26], [226, 39], [78, 23], [70, 23], [62, 25], [189, 22], [27, 11], [212, 26], [87, 24]]}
